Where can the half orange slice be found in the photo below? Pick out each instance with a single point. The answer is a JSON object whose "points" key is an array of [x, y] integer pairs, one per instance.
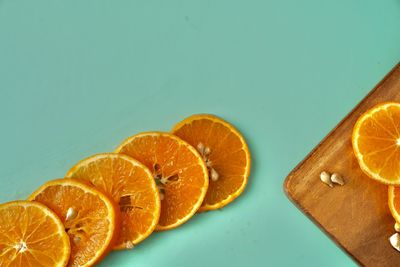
{"points": [[376, 143]]}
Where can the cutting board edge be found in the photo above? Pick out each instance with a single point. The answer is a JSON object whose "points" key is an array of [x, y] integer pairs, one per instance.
{"points": [[320, 226], [286, 185]]}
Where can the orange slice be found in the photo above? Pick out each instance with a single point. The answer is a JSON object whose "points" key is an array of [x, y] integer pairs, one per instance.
{"points": [[89, 217], [31, 235], [225, 152], [394, 202], [131, 184], [376, 142], [178, 169]]}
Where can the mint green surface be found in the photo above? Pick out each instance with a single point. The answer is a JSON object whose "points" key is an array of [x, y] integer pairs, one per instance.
{"points": [[77, 77]]}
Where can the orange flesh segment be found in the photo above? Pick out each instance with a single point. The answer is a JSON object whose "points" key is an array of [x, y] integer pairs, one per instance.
{"points": [[130, 184], [31, 235], [229, 156], [91, 230], [181, 167]]}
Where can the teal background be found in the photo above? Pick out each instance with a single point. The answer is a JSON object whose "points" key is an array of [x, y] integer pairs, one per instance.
{"points": [[77, 77]]}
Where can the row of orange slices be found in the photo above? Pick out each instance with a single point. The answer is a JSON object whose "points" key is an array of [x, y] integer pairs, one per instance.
{"points": [[153, 181]]}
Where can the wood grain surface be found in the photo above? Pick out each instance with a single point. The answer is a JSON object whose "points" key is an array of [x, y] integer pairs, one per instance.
{"points": [[356, 215]]}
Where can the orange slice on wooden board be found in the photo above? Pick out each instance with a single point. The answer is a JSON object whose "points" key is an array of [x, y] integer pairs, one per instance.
{"points": [[225, 152], [32, 235], [179, 172], [131, 185], [90, 218], [376, 142], [394, 202]]}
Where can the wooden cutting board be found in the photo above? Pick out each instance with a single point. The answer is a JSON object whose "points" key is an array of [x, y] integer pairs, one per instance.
{"points": [[356, 215]]}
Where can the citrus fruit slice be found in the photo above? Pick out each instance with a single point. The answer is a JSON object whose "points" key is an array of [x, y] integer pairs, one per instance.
{"points": [[90, 218], [225, 152], [179, 172], [394, 202], [376, 142], [32, 235], [131, 185]]}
